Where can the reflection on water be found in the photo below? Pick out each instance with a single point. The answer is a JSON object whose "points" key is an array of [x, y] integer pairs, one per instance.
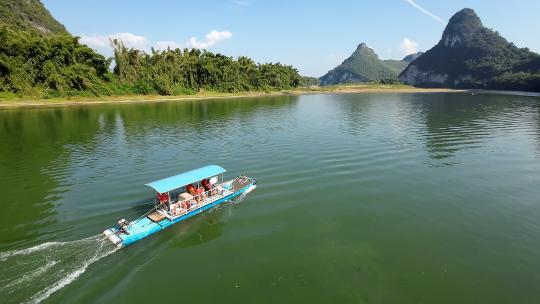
{"points": [[48, 152], [355, 190], [202, 233], [33, 165], [461, 122]]}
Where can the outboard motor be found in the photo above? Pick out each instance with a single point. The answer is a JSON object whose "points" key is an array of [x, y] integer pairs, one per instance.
{"points": [[123, 224]]}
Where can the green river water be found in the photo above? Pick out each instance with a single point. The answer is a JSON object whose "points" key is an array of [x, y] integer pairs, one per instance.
{"points": [[361, 198]]}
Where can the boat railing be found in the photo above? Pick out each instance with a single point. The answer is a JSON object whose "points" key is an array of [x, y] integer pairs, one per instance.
{"points": [[177, 208]]}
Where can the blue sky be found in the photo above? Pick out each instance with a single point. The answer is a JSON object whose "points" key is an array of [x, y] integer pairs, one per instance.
{"points": [[313, 36]]}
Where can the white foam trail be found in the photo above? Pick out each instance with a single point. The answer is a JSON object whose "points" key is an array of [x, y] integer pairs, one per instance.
{"points": [[45, 293], [239, 199], [5, 255], [8, 254], [33, 274]]}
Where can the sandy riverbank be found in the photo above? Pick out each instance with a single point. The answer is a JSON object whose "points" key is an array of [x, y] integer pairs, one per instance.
{"points": [[23, 102]]}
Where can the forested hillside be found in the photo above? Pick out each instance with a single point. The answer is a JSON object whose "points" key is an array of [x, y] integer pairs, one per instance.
{"points": [[39, 58], [29, 15], [362, 66], [470, 55]]}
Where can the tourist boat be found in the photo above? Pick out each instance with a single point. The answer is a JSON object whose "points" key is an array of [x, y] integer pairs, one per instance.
{"points": [[178, 198]]}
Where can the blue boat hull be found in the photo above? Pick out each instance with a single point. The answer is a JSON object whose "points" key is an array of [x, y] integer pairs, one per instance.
{"points": [[144, 227]]}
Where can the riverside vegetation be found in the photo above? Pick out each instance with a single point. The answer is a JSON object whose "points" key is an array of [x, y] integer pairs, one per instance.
{"points": [[55, 65], [39, 59]]}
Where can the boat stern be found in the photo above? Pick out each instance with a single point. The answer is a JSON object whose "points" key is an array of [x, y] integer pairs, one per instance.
{"points": [[111, 235]]}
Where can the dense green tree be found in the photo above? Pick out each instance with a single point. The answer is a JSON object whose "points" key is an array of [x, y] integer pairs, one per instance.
{"points": [[31, 62], [58, 65], [171, 71]]}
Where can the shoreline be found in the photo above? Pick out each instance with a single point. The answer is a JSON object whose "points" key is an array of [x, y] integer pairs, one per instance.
{"points": [[83, 101]]}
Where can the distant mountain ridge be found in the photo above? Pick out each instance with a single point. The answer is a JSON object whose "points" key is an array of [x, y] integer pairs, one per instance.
{"points": [[364, 65], [395, 65], [29, 15], [470, 55], [412, 57]]}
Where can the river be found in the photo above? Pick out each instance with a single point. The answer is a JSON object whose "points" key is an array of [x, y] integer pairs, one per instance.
{"points": [[361, 198]]}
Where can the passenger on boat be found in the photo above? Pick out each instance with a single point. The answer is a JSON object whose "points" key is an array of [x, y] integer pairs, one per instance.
{"points": [[176, 209], [186, 205], [190, 189], [206, 184], [198, 193], [209, 186], [163, 198]]}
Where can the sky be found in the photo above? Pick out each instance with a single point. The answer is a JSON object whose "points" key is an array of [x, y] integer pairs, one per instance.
{"points": [[313, 36]]}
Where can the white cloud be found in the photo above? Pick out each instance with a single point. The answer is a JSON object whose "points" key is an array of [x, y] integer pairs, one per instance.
{"points": [[210, 39], [163, 45], [425, 11], [130, 40], [94, 41], [408, 47], [102, 43], [241, 2]]}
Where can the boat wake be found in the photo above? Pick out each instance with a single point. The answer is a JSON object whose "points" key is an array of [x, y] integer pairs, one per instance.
{"points": [[32, 274], [237, 200], [240, 198]]}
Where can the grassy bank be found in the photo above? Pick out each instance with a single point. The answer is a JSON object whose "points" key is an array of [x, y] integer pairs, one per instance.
{"points": [[10, 101]]}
